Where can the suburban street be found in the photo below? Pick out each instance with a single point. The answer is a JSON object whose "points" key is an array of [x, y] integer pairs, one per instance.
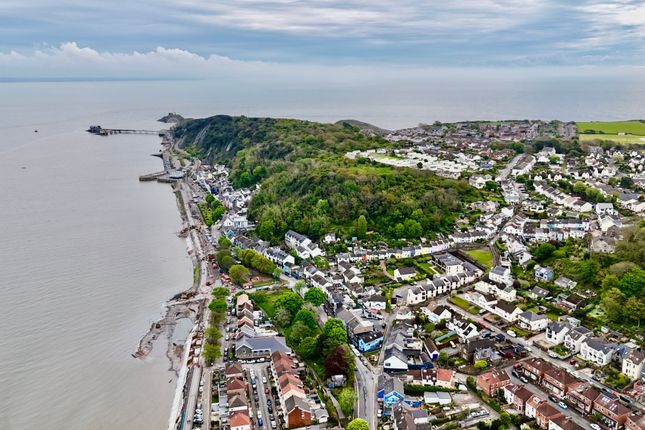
{"points": [[366, 383]]}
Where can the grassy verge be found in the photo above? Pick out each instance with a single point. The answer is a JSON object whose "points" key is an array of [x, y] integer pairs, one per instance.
{"points": [[464, 304]]}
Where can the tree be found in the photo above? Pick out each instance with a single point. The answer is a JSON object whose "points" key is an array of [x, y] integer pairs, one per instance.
{"points": [[361, 227], [587, 271], [612, 302], [633, 283], [283, 317], [307, 317], [308, 347], [481, 364], [290, 301], [218, 306], [212, 352], [212, 334], [299, 285], [543, 251], [331, 324], [315, 296], [299, 331], [227, 262], [221, 254], [276, 273], [224, 242], [357, 424], [336, 362], [609, 282], [635, 309], [220, 293], [239, 274], [346, 399]]}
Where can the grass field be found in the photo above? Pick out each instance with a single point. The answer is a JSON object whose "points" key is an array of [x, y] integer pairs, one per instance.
{"points": [[464, 304], [483, 256], [628, 139], [613, 127]]}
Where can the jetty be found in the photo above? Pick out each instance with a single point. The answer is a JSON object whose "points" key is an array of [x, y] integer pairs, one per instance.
{"points": [[100, 131]]}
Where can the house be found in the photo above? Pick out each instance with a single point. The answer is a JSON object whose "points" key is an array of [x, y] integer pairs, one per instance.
{"points": [[564, 282], [507, 310], [354, 322], [234, 370], [573, 302], [389, 390], [613, 414], [501, 275], [532, 322], [493, 381], [375, 302], [532, 405], [240, 421], [538, 293], [297, 412], [478, 349], [582, 396], [450, 264], [238, 402], [517, 395], [546, 413], [556, 332], [370, 341], [635, 422], [235, 386], [395, 359], [564, 423], [464, 329], [303, 246], [574, 338], [544, 274], [445, 378], [535, 369], [436, 313], [437, 398], [404, 273], [633, 364], [597, 351], [557, 381]]}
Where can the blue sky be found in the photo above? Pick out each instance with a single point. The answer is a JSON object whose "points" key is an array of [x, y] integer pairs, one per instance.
{"points": [[85, 36]]}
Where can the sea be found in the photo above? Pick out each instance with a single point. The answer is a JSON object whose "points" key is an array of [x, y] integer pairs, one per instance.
{"points": [[89, 255]]}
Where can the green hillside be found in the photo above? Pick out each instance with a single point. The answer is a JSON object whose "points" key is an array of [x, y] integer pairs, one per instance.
{"points": [[310, 186], [636, 127]]}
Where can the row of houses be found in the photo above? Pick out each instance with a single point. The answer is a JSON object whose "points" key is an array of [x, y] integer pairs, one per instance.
{"points": [[297, 410], [251, 341], [559, 383]]}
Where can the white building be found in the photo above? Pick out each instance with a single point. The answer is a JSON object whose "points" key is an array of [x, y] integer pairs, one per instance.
{"points": [[596, 351], [501, 275], [633, 364], [533, 322], [556, 332]]}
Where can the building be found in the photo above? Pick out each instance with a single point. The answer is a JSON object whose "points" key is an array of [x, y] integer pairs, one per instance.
{"points": [[564, 282], [517, 395], [370, 341], [532, 322], [546, 413], [556, 332], [240, 421], [574, 338], [563, 423], [633, 364], [297, 412], [544, 274], [535, 369], [436, 313], [507, 310], [501, 275], [597, 351], [256, 347], [582, 396], [557, 381], [614, 414], [389, 390], [493, 381], [635, 422], [404, 273]]}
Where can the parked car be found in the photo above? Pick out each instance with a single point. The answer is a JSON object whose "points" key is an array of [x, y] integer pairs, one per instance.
{"points": [[562, 405], [523, 379], [594, 426], [573, 362], [553, 399]]}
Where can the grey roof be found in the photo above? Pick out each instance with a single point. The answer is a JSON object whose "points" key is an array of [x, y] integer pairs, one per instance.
{"points": [[532, 316], [272, 343], [498, 270], [389, 384], [407, 271], [507, 307], [599, 345], [294, 401]]}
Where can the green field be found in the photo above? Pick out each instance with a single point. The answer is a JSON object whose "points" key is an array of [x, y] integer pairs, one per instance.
{"points": [[628, 139], [464, 304], [612, 127], [482, 256]]}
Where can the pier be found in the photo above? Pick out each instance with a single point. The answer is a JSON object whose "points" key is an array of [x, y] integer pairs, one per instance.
{"points": [[100, 131]]}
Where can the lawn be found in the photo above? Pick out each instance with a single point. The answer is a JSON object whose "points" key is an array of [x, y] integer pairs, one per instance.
{"points": [[628, 139], [464, 304], [520, 332], [426, 267], [482, 256], [266, 301], [613, 127]]}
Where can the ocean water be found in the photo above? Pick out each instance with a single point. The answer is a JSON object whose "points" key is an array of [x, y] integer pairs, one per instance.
{"points": [[88, 254]]}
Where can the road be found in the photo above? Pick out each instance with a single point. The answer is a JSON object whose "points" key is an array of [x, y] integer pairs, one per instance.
{"points": [[366, 385]]}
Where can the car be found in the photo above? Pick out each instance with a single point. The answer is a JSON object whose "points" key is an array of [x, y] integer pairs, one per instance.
{"points": [[199, 412], [256, 398], [523, 379], [264, 379], [379, 414], [517, 366], [500, 337], [511, 333], [514, 373], [573, 362], [269, 402], [270, 409], [594, 426], [260, 422], [273, 424], [266, 390], [553, 399], [562, 405]]}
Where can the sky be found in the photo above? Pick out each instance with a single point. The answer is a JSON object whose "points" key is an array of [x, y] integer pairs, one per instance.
{"points": [[198, 38]]}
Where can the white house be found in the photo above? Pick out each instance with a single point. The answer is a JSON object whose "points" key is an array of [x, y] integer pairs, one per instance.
{"points": [[404, 273], [436, 313], [304, 247], [464, 329], [533, 322], [596, 351], [574, 338], [633, 364], [501, 275], [605, 209], [556, 332], [507, 310]]}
